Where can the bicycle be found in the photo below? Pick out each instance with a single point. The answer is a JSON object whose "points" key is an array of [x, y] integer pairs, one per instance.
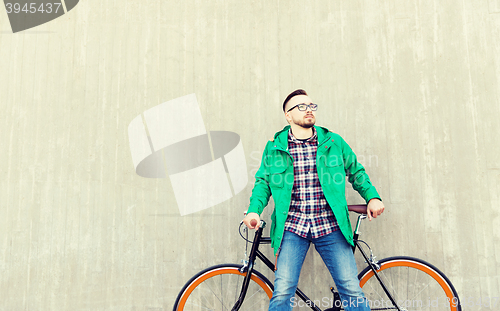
{"points": [[395, 283]]}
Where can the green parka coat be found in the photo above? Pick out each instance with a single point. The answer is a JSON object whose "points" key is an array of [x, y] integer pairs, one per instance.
{"points": [[334, 160]]}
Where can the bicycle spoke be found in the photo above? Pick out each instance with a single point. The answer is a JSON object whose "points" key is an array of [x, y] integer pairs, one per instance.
{"points": [[256, 302], [216, 296], [249, 299], [236, 293], [206, 299], [408, 277], [373, 289], [222, 298], [389, 285], [415, 282]]}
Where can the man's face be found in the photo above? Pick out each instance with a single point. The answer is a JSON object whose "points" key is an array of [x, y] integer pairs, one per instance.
{"points": [[305, 119]]}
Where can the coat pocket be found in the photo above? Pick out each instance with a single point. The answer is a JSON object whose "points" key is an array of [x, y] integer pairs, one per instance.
{"points": [[333, 172], [277, 176]]}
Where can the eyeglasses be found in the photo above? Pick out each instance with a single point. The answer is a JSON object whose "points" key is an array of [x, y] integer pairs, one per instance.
{"points": [[303, 107]]}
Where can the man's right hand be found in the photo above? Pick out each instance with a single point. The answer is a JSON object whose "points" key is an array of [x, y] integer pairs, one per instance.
{"points": [[252, 221]]}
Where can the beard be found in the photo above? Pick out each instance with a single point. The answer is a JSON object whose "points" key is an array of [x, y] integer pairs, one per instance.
{"points": [[305, 122]]}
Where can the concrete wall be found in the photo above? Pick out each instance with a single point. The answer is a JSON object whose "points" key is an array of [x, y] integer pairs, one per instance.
{"points": [[413, 86]]}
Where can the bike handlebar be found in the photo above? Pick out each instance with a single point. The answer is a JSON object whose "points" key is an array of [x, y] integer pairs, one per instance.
{"points": [[357, 208]]}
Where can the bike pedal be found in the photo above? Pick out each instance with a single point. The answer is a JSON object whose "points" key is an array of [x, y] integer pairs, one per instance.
{"points": [[337, 302]]}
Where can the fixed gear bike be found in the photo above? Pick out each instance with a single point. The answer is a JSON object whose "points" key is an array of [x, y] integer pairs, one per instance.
{"points": [[394, 283]]}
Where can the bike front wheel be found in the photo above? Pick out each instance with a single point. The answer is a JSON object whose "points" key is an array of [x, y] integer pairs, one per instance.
{"points": [[218, 288], [413, 283]]}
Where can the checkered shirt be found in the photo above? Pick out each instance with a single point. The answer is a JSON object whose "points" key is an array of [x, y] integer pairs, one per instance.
{"points": [[308, 207]]}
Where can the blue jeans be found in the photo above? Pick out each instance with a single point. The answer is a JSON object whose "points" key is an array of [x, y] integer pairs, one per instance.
{"points": [[339, 259]]}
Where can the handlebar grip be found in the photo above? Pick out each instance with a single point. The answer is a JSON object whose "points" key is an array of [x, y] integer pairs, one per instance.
{"points": [[253, 223]]}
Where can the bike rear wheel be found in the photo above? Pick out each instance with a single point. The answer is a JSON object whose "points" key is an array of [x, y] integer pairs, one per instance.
{"points": [[218, 288], [414, 284]]}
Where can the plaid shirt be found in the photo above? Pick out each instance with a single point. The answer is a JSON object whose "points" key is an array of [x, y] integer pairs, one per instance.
{"points": [[308, 207]]}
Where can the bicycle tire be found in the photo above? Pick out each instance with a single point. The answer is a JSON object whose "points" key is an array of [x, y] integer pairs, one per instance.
{"points": [[218, 287], [414, 283]]}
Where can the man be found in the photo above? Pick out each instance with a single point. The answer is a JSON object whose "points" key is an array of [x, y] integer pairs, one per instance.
{"points": [[304, 169]]}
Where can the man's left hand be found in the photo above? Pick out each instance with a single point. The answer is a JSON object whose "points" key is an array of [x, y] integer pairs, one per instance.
{"points": [[374, 208]]}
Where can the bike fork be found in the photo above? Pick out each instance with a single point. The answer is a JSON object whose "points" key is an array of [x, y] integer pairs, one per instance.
{"points": [[244, 288], [249, 269], [374, 269]]}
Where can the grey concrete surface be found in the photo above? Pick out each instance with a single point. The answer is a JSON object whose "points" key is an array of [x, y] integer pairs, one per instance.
{"points": [[413, 87]]}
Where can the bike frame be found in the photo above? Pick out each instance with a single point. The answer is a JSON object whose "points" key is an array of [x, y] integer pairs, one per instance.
{"points": [[256, 253]]}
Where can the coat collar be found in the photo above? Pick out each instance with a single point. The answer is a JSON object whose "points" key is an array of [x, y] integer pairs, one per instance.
{"points": [[281, 137]]}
